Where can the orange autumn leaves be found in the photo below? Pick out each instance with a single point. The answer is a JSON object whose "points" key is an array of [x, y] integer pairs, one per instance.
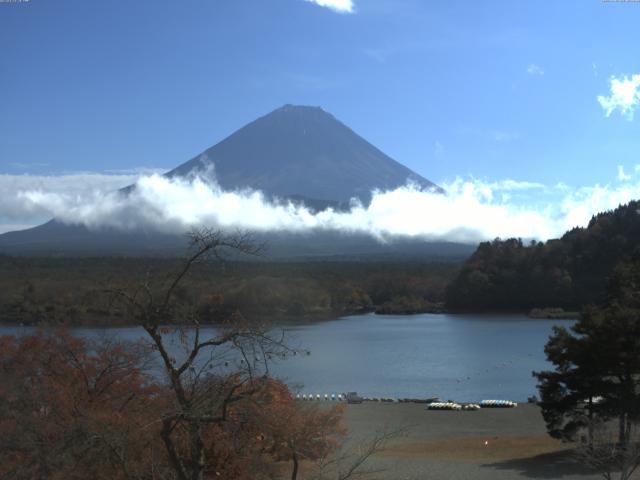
{"points": [[72, 408]]}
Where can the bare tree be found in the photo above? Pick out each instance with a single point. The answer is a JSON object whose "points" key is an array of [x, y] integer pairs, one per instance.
{"points": [[208, 370], [350, 462], [609, 457]]}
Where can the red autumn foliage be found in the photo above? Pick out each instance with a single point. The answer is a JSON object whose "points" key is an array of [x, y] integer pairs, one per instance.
{"points": [[292, 431], [70, 411], [74, 409]]}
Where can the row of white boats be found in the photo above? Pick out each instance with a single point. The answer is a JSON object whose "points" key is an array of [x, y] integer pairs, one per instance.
{"points": [[333, 397], [472, 406], [432, 404]]}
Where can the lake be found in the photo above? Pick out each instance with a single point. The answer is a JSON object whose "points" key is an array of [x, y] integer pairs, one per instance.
{"points": [[460, 357]]}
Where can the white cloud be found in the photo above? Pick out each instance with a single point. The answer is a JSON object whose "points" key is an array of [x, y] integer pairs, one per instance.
{"points": [[472, 210], [516, 185], [623, 177], [341, 6], [534, 69], [578, 207], [562, 187], [625, 96], [73, 185]]}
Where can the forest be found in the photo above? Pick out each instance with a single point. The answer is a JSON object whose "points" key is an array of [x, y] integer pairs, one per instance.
{"points": [[73, 291], [509, 275]]}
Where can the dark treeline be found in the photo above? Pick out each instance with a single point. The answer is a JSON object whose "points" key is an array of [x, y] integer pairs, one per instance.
{"points": [[71, 291], [568, 272]]}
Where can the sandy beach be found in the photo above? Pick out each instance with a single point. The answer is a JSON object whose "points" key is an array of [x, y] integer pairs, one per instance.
{"points": [[496, 444]]}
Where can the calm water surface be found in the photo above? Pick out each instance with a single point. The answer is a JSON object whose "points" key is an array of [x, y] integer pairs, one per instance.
{"points": [[460, 357]]}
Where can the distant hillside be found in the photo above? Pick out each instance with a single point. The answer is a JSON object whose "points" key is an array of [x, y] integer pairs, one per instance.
{"points": [[569, 272], [57, 239]]}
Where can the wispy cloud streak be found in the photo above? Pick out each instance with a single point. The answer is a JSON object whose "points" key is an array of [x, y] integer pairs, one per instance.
{"points": [[534, 69], [340, 6]]}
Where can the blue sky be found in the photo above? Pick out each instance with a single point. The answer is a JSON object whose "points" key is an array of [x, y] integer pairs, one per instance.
{"points": [[489, 90]]}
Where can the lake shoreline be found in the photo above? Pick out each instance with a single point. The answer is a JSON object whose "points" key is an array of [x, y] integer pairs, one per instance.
{"points": [[304, 319]]}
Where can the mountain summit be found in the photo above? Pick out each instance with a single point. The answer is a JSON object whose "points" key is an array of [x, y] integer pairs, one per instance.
{"points": [[303, 152]]}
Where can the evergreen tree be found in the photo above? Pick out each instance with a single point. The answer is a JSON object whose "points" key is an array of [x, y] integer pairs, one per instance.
{"points": [[597, 363]]}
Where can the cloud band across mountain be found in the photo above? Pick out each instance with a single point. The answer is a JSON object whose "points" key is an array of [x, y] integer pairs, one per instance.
{"points": [[470, 211]]}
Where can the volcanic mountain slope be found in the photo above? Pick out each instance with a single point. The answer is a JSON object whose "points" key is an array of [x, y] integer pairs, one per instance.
{"points": [[301, 152], [296, 152]]}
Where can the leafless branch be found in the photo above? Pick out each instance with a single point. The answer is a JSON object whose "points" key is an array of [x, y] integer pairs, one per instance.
{"points": [[350, 463]]}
